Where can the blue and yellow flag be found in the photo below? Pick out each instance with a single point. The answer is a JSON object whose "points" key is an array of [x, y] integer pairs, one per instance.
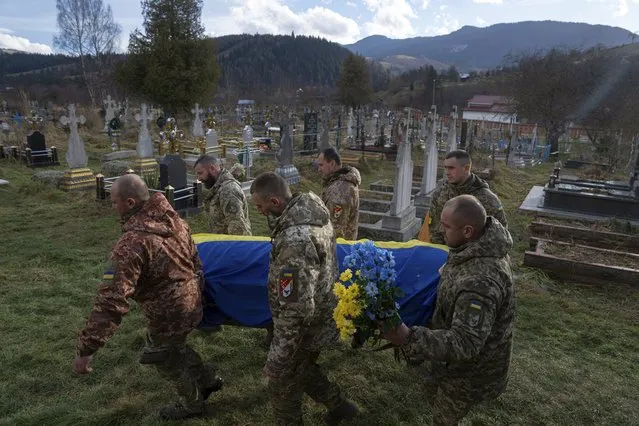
{"points": [[236, 275]]}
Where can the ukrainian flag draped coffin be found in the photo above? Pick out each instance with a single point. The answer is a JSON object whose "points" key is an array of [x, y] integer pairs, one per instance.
{"points": [[236, 275]]}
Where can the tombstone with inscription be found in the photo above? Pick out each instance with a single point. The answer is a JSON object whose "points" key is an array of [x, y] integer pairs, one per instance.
{"points": [[310, 131], [79, 177], [37, 154], [173, 173], [284, 156]]}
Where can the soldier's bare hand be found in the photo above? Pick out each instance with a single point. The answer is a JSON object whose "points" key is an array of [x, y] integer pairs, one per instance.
{"points": [[81, 364], [398, 336]]}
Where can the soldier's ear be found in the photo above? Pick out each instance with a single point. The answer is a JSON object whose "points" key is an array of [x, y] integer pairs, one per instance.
{"points": [[468, 231]]}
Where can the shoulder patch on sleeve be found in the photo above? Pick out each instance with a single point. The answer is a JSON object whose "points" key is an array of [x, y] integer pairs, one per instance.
{"points": [[474, 313], [337, 211], [109, 271], [288, 285]]}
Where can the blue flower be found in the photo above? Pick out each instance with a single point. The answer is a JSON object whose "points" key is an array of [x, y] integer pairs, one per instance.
{"points": [[371, 289]]}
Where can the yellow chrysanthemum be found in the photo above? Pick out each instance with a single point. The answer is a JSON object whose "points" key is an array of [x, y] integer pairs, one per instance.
{"points": [[357, 272], [346, 275]]}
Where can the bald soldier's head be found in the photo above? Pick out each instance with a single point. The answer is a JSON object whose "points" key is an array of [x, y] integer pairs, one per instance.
{"points": [[463, 219], [127, 193]]}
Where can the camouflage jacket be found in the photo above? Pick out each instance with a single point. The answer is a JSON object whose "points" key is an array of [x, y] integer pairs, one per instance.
{"points": [[155, 263], [341, 197], [303, 268], [226, 207], [472, 326], [474, 186]]}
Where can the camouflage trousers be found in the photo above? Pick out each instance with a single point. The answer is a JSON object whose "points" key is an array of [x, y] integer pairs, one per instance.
{"points": [[450, 400], [179, 363], [305, 376]]}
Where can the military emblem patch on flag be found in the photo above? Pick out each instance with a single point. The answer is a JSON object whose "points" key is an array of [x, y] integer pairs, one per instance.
{"points": [[474, 313], [287, 283], [337, 211]]}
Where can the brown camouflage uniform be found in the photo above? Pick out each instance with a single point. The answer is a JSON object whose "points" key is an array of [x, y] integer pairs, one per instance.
{"points": [[155, 263], [341, 197], [474, 186], [226, 207], [470, 339], [302, 271]]}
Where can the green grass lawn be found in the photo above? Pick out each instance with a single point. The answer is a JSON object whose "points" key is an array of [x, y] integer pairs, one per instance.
{"points": [[575, 360]]}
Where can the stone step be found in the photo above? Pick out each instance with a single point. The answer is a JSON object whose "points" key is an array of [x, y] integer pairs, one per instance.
{"points": [[367, 216], [374, 205], [375, 195], [380, 187]]}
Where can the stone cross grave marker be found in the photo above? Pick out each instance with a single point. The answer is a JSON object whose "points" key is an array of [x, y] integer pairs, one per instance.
{"points": [[76, 155], [452, 130], [109, 112], [429, 179], [324, 141], [197, 122], [145, 145], [247, 157], [211, 135], [404, 167], [285, 154]]}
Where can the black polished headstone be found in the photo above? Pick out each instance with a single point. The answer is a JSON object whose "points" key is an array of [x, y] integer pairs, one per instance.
{"points": [[173, 172], [36, 142], [310, 131]]}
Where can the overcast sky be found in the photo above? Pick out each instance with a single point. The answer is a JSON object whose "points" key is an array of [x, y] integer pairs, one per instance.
{"points": [[30, 24]]}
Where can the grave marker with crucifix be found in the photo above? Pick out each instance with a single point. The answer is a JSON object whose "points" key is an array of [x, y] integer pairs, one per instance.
{"points": [[197, 131], [146, 166], [109, 112], [78, 177]]}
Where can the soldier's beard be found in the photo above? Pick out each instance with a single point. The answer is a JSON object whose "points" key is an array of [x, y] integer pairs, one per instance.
{"points": [[209, 182]]}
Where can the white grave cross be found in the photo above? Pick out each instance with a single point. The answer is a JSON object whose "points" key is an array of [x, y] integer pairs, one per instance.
{"points": [[197, 122], [76, 155], [145, 146]]}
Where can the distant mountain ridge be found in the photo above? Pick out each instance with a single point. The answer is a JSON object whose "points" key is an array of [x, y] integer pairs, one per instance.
{"points": [[481, 48]]}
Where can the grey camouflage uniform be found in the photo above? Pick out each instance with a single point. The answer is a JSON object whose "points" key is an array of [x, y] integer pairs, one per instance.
{"points": [[341, 197], [226, 207], [302, 271], [470, 339], [474, 186]]}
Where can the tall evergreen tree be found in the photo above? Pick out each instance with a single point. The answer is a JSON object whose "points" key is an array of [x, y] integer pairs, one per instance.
{"points": [[354, 82], [171, 63]]}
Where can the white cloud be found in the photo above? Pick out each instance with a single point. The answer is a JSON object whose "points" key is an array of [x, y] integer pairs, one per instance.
{"points": [[8, 41], [274, 17], [488, 1], [390, 18], [622, 8], [420, 3], [444, 23], [481, 22], [443, 7], [425, 4], [6, 31], [351, 4]]}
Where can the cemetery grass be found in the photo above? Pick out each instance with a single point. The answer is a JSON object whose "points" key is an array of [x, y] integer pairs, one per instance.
{"points": [[574, 361]]}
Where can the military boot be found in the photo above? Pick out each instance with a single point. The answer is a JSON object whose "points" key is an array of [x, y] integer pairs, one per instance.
{"points": [[346, 411], [178, 411], [215, 386]]}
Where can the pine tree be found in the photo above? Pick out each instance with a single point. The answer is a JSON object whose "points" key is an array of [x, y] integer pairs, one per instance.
{"points": [[171, 63], [354, 82]]}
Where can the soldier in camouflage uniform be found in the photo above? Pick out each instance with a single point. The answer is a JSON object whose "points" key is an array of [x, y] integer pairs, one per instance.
{"points": [[470, 338], [340, 194], [225, 204], [302, 271], [155, 263], [460, 180]]}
